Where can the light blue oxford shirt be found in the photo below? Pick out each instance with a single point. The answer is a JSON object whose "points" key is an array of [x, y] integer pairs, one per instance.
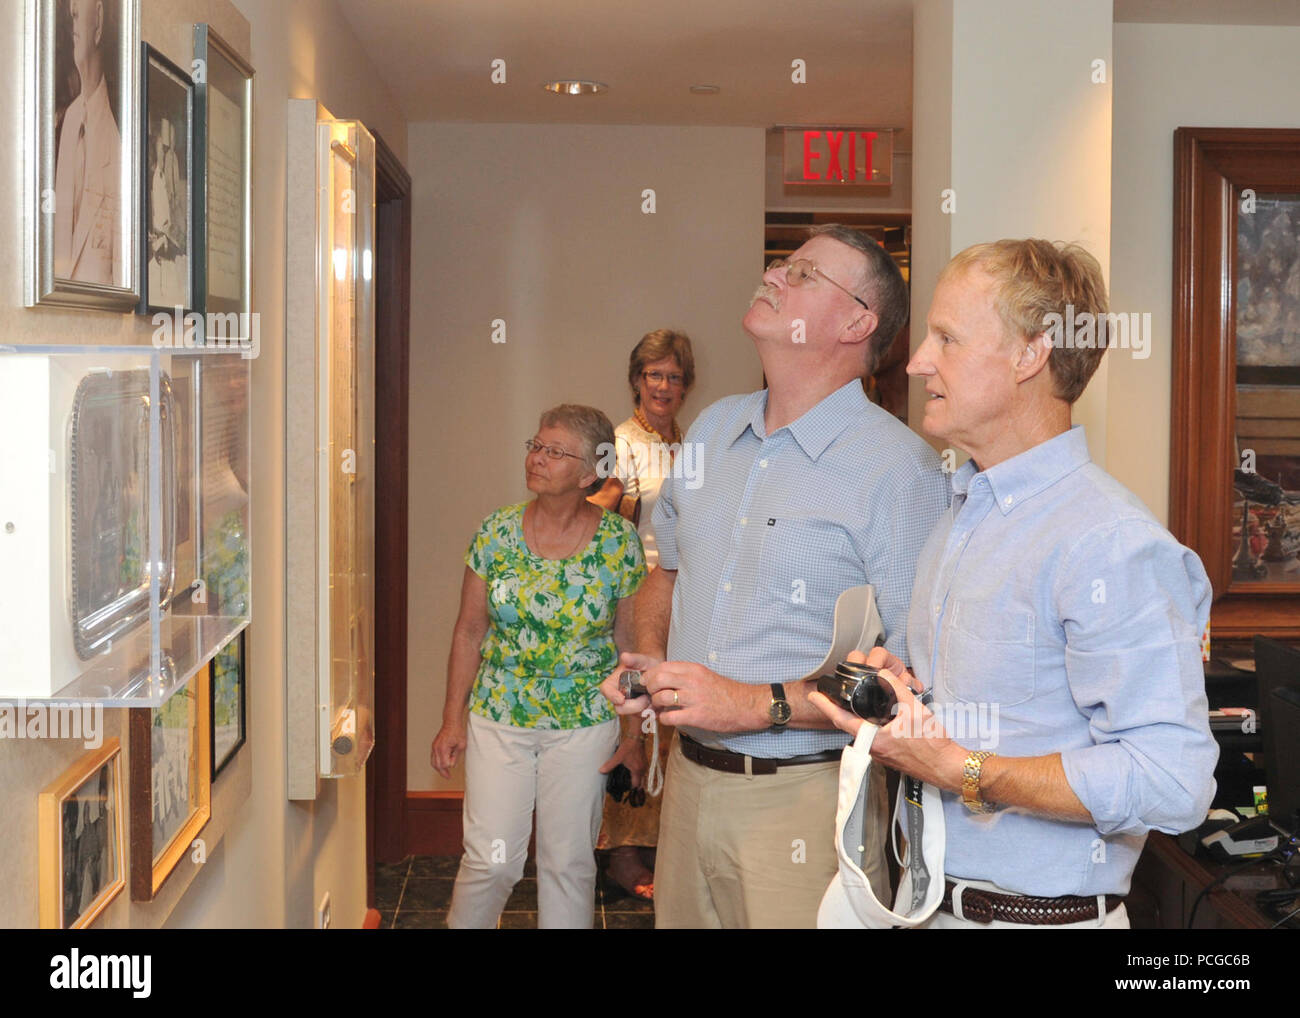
{"points": [[775, 527], [1052, 613]]}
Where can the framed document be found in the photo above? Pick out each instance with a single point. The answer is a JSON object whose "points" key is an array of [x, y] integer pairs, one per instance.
{"points": [[223, 137], [228, 698], [170, 783], [166, 164], [81, 840], [80, 143]]}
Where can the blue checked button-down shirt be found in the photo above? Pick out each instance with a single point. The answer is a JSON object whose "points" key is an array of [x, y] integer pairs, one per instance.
{"points": [[1054, 614], [775, 527]]}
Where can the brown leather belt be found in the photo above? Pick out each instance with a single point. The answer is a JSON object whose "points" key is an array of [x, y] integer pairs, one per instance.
{"points": [[987, 906], [734, 763]]}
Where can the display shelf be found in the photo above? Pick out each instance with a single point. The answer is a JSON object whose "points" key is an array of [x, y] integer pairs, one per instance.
{"points": [[124, 543]]}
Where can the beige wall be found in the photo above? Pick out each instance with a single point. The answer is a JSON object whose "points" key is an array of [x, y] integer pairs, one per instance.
{"points": [[1169, 76], [542, 226], [276, 858]]}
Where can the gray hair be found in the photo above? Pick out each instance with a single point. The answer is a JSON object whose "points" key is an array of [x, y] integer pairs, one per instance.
{"points": [[589, 426], [881, 286]]}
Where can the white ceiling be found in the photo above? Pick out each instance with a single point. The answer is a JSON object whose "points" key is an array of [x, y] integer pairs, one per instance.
{"points": [[436, 56]]}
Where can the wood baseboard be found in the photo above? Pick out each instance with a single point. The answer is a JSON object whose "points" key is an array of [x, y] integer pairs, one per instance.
{"points": [[433, 823]]}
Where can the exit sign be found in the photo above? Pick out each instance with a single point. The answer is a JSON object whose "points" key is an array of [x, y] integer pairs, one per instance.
{"points": [[839, 156]]}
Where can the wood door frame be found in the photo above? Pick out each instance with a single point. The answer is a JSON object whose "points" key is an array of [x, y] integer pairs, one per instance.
{"points": [[386, 773]]}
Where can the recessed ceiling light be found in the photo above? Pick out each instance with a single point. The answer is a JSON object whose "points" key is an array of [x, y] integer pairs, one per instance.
{"points": [[571, 87], [705, 89]]}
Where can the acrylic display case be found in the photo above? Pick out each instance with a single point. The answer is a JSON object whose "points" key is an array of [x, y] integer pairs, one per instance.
{"points": [[330, 476], [124, 550]]}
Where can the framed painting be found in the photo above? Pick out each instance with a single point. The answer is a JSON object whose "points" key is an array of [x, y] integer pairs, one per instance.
{"points": [[1235, 448], [170, 783], [167, 168], [228, 702], [80, 147], [82, 845]]}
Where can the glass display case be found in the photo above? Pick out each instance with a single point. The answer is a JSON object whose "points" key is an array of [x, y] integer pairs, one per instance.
{"points": [[124, 539], [345, 361]]}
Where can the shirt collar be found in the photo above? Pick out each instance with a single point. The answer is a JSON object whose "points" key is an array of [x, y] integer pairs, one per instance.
{"points": [[817, 428], [1020, 478]]}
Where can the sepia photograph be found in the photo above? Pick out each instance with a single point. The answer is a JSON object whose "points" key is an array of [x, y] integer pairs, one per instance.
{"points": [[82, 163], [167, 119]]}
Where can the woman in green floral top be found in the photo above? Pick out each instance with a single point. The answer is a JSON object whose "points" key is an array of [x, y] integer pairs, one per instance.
{"points": [[544, 608]]}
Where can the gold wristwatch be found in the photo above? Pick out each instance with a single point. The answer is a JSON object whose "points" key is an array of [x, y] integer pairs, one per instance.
{"points": [[970, 782]]}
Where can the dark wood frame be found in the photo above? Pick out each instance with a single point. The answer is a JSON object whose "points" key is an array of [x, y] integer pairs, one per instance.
{"points": [[1211, 168], [148, 56], [217, 766], [146, 877], [386, 820]]}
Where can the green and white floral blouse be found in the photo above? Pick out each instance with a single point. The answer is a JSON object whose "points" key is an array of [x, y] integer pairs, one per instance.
{"points": [[550, 642]]}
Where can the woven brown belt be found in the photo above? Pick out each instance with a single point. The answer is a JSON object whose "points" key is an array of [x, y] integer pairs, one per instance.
{"points": [[987, 906], [734, 763]]}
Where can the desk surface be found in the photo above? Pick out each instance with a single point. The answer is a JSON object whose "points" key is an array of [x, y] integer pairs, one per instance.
{"points": [[1176, 878]]}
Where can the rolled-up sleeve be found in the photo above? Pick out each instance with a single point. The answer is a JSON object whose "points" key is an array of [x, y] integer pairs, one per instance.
{"points": [[1134, 604]]}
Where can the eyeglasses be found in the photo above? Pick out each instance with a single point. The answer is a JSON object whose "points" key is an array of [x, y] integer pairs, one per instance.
{"points": [[553, 451], [799, 270], [659, 378]]}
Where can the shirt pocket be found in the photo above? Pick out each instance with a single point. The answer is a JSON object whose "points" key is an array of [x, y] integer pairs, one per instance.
{"points": [[988, 653], [805, 563]]}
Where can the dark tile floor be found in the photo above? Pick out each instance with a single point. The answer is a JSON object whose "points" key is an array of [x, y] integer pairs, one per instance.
{"points": [[415, 894]]}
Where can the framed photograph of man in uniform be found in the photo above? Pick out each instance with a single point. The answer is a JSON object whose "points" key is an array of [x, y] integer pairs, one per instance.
{"points": [[167, 166], [81, 139], [223, 133]]}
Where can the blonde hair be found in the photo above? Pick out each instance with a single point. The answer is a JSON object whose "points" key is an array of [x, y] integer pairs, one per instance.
{"points": [[1035, 279]]}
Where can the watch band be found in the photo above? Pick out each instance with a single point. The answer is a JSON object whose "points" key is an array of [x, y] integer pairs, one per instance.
{"points": [[779, 710], [970, 782]]}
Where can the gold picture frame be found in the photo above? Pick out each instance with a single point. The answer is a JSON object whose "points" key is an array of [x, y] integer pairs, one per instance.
{"points": [[82, 840]]}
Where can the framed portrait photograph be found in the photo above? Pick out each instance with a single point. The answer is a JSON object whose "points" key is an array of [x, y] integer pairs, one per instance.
{"points": [[82, 843], [228, 710], [80, 144], [170, 783], [166, 165], [223, 138]]}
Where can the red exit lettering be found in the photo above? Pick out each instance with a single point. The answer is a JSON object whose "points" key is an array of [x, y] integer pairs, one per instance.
{"points": [[847, 171]]}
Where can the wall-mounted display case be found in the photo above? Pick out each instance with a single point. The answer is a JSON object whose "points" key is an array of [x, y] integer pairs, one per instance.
{"points": [[124, 547], [330, 400]]}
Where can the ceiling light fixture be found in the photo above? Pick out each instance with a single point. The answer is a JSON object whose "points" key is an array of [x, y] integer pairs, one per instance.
{"points": [[705, 89], [572, 87]]}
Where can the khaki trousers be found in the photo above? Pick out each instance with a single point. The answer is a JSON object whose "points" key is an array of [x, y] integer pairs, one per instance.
{"points": [[752, 851]]}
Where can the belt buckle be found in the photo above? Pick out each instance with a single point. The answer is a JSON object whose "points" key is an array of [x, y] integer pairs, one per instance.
{"points": [[975, 905]]}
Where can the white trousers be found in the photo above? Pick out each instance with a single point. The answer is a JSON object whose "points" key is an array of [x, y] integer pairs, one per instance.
{"points": [[508, 770]]}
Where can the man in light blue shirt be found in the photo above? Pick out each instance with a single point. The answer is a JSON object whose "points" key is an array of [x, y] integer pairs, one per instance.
{"points": [[807, 489], [1056, 623]]}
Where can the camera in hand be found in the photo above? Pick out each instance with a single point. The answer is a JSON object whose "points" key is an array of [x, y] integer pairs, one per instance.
{"points": [[629, 684], [858, 688]]}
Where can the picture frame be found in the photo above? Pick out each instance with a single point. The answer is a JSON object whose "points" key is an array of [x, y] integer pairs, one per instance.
{"points": [[223, 140], [167, 172], [81, 194], [229, 702], [82, 847], [1231, 420], [171, 788]]}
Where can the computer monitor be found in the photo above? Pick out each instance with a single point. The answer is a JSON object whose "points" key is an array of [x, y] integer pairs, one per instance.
{"points": [[1284, 763], [1277, 668]]}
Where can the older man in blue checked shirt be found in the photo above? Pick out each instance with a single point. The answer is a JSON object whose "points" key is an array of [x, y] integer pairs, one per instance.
{"points": [[808, 489], [1050, 602]]}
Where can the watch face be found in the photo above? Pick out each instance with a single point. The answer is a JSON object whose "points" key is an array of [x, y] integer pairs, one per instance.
{"points": [[780, 711]]}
